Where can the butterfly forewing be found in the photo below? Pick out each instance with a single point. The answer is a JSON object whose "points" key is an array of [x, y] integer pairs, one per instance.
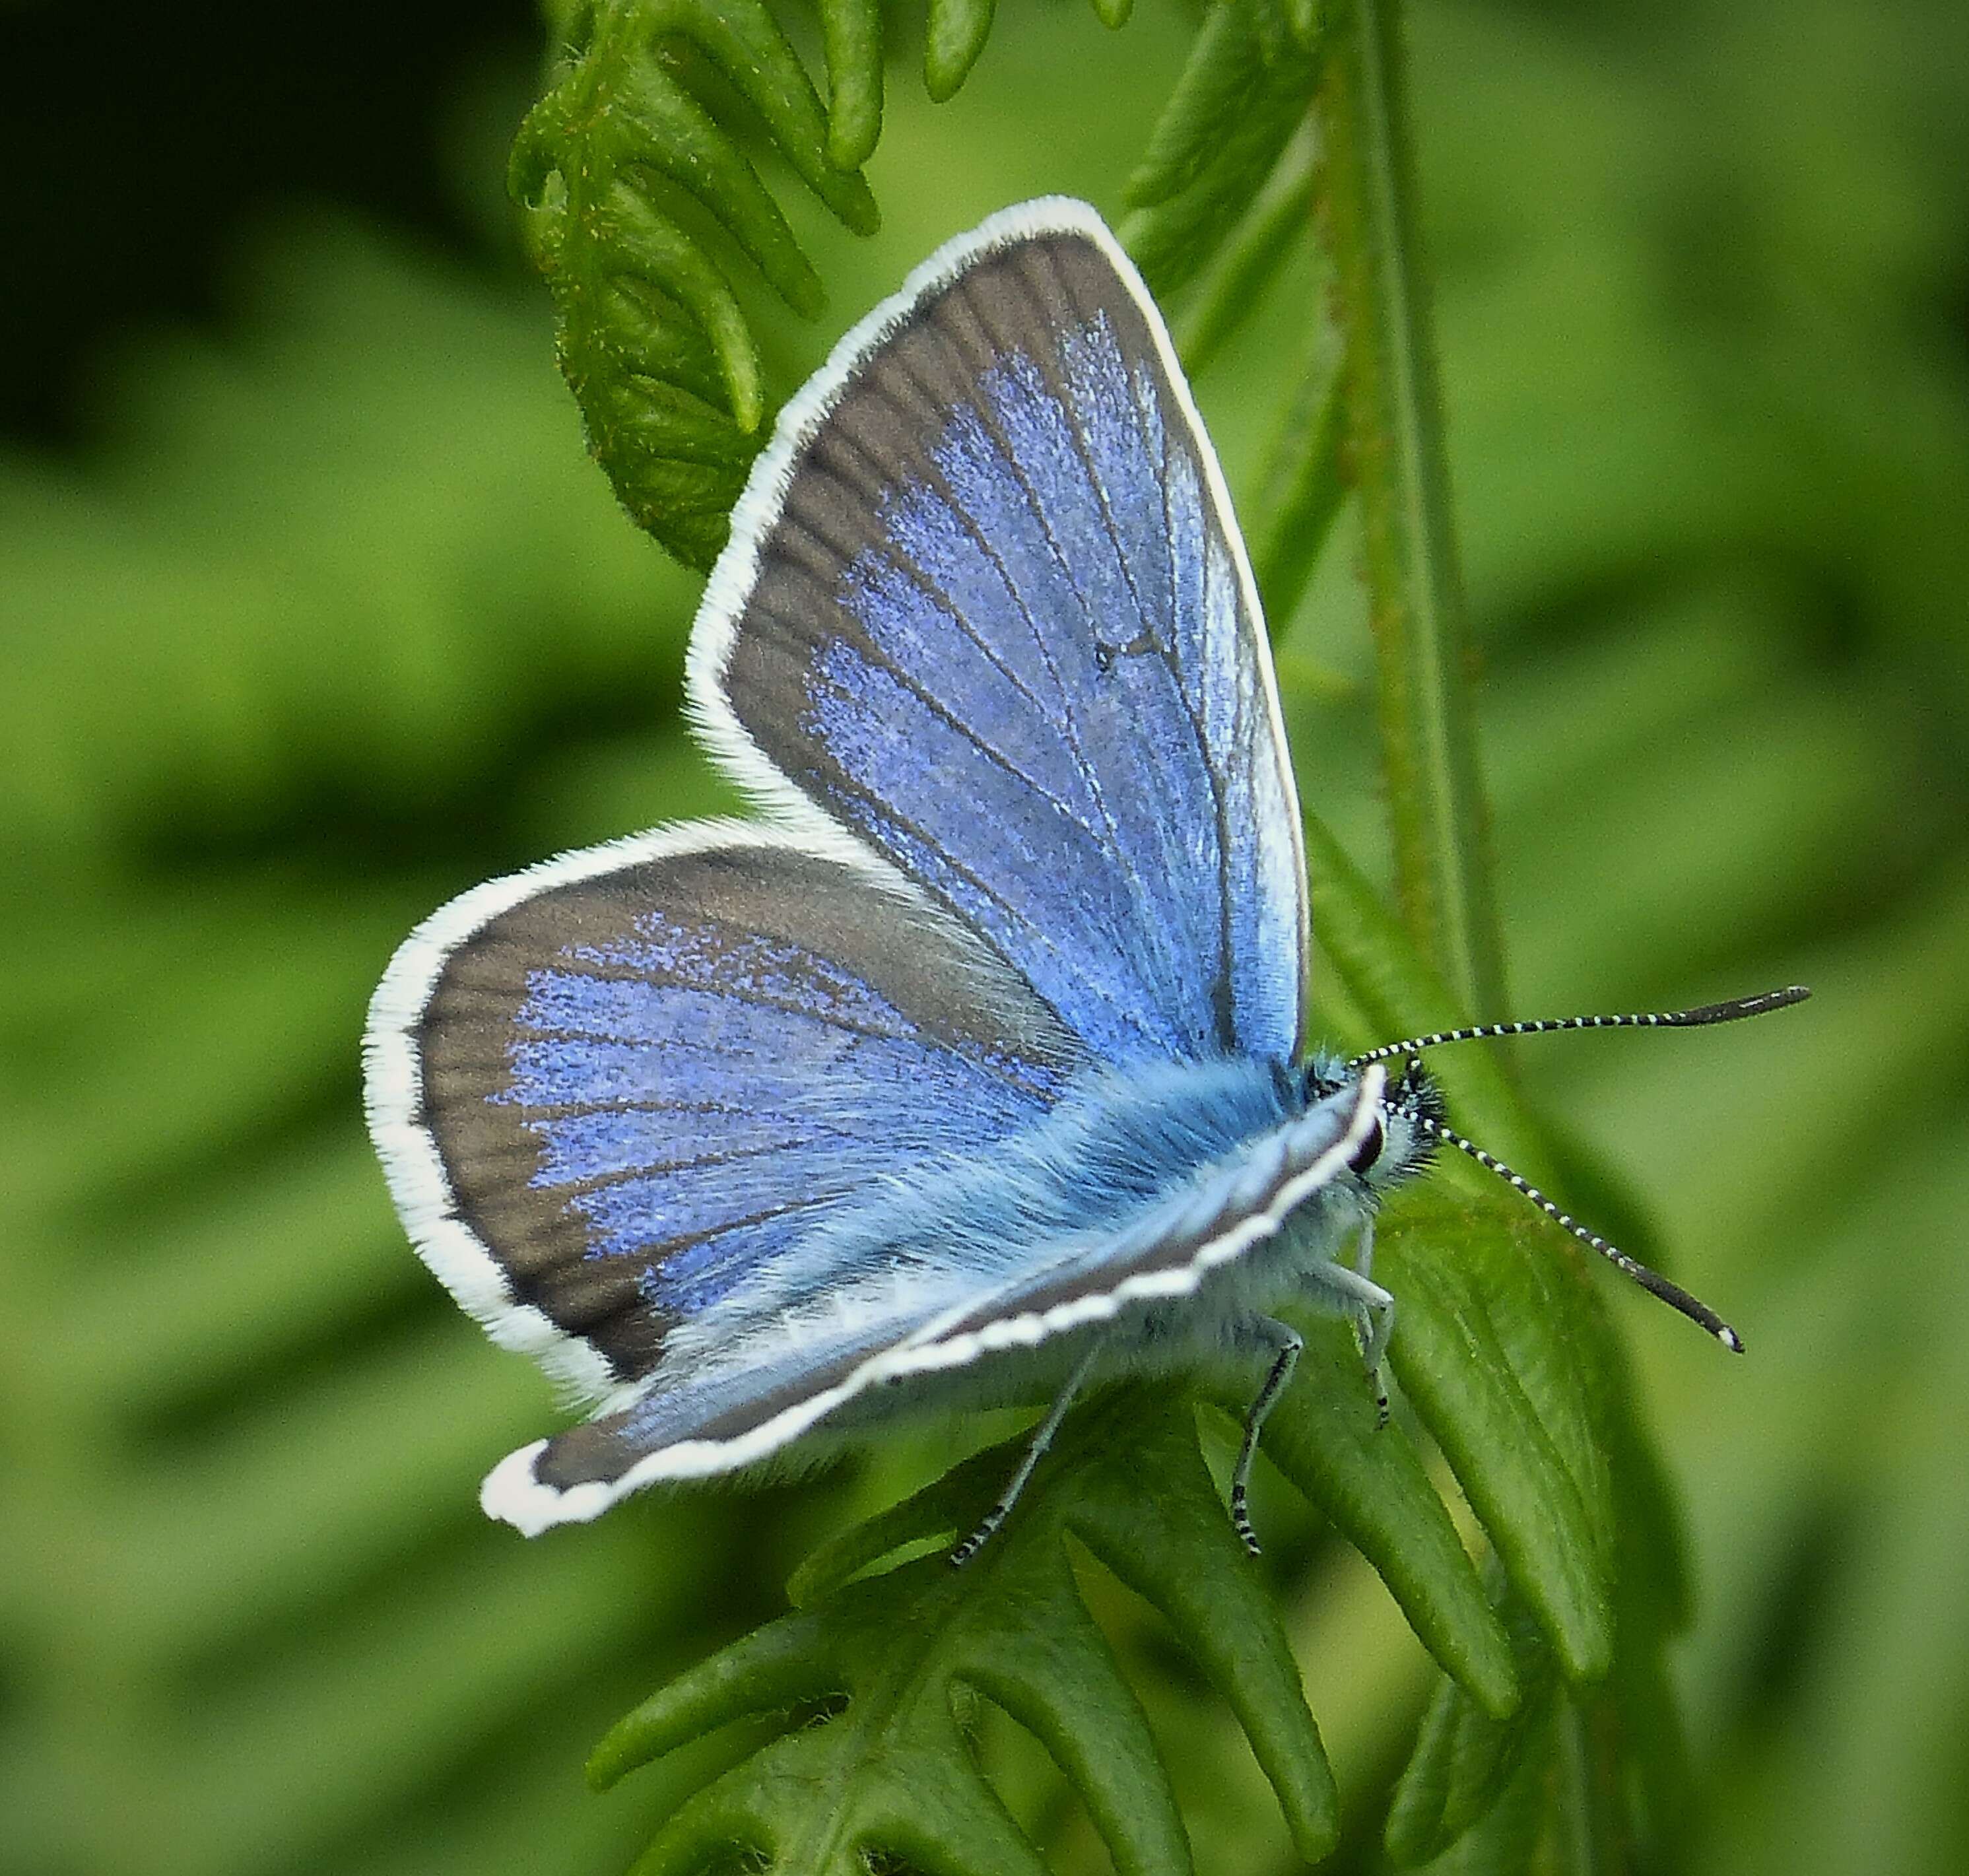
{"points": [[986, 607], [628, 1088]]}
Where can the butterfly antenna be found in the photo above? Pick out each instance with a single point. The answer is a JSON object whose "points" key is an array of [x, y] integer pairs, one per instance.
{"points": [[1733, 1011], [1653, 1281]]}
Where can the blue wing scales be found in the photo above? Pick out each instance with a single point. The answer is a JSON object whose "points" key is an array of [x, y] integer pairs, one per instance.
{"points": [[987, 609], [1033, 1241], [625, 1089]]}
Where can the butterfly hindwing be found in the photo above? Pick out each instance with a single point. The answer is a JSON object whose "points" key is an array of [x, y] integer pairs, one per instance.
{"points": [[607, 1089], [887, 1314], [986, 609]]}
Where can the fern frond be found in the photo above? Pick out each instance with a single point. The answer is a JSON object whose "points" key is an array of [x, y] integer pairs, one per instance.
{"points": [[1251, 257], [889, 1661], [1506, 1361], [851, 38], [1464, 1757], [623, 167], [1579, 1777], [1372, 1485], [1494, 1307], [1304, 486], [1438, 823], [1505, 1355], [1245, 91], [954, 35], [647, 212]]}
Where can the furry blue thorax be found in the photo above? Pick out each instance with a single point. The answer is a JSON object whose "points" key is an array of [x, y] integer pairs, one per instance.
{"points": [[1120, 1139]]}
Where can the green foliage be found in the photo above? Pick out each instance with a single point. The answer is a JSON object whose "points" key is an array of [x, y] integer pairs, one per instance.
{"points": [[646, 205], [888, 1775], [648, 212], [618, 160], [891, 1662], [335, 620], [1438, 823], [1241, 99]]}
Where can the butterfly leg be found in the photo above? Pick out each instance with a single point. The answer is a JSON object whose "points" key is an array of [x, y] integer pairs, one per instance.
{"points": [[1035, 1452], [1373, 1312], [1375, 1324], [1290, 1342]]}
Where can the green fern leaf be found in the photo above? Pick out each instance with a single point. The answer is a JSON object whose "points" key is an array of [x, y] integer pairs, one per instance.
{"points": [[1464, 1758], [644, 207], [1304, 486], [623, 165], [1506, 1357], [1244, 93], [1586, 1574], [1565, 1786], [851, 37], [1372, 1484], [1506, 1838], [955, 35], [1481, 1352], [1504, 1353], [891, 1661], [1250, 259]]}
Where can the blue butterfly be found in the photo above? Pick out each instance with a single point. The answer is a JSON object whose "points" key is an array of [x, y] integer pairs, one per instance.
{"points": [[981, 1050]]}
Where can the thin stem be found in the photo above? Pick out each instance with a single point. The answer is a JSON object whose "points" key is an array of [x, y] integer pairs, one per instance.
{"points": [[1438, 824]]}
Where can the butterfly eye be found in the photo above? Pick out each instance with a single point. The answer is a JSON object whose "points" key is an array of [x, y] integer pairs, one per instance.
{"points": [[1369, 1149]]}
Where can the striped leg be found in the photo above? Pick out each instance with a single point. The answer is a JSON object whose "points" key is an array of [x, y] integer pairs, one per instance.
{"points": [[1035, 1452], [1289, 1343]]}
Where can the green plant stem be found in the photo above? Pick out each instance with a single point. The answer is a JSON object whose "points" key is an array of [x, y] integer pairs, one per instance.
{"points": [[1438, 824]]}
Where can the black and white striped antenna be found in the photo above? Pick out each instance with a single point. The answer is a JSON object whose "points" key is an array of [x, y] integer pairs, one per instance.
{"points": [[1733, 1011], [1651, 1280]]}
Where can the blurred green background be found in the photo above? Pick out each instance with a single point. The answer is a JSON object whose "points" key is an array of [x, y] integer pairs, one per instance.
{"points": [[313, 612]]}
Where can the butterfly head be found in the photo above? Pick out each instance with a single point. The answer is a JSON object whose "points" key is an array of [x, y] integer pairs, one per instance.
{"points": [[1403, 1140]]}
